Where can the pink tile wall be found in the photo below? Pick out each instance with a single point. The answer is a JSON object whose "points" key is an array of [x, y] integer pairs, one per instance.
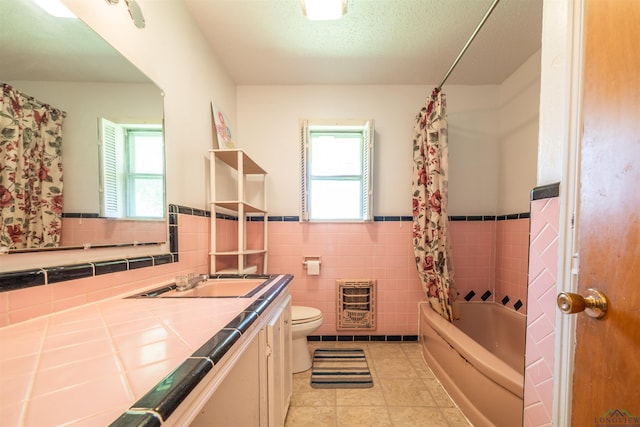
{"points": [[491, 256], [24, 304], [539, 360], [78, 231], [382, 251], [473, 245], [512, 261]]}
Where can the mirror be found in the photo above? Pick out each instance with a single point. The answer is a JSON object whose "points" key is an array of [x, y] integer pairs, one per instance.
{"points": [[62, 62]]}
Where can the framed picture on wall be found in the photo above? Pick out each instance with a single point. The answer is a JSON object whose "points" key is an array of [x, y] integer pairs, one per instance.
{"points": [[222, 136]]}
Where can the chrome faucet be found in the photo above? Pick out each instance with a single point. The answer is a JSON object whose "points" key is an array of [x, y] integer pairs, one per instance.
{"points": [[196, 280], [193, 282]]}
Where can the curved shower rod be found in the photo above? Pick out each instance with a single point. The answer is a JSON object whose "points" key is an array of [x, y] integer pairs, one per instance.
{"points": [[466, 46]]}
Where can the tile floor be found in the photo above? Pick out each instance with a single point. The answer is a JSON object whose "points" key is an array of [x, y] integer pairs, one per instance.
{"points": [[405, 393]]}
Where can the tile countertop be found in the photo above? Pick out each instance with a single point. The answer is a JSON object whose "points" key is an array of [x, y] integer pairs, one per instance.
{"points": [[87, 366]]}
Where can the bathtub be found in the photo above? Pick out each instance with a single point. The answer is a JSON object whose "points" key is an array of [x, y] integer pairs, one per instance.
{"points": [[479, 360]]}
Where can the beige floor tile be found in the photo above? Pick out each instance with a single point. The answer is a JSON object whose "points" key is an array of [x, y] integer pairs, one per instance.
{"points": [[360, 397], [362, 416], [455, 417], [314, 397], [394, 368], [406, 392], [414, 416], [384, 350], [421, 368], [323, 416], [439, 395], [412, 350]]}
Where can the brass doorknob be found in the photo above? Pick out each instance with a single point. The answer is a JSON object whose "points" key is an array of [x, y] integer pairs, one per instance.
{"points": [[595, 304]]}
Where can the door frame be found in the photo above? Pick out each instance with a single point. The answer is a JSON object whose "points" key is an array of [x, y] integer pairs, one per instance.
{"points": [[568, 262]]}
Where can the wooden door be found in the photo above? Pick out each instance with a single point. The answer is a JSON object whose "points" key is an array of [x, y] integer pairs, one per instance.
{"points": [[606, 378]]}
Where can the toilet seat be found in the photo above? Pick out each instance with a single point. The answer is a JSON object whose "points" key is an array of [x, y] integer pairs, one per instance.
{"points": [[301, 314]]}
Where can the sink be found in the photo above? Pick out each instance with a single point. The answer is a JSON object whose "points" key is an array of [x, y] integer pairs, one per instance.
{"points": [[212, 288], [218, 288]]}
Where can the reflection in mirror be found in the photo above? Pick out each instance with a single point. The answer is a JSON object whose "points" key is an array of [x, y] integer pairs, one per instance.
{"points": [[131, 170], [63, 63]]}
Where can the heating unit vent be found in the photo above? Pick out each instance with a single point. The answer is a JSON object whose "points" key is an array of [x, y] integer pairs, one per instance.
{"points": [[356, 304]]}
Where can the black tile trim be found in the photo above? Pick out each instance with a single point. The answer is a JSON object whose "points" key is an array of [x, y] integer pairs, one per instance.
{"points": [[485, 296], [218, 345], [13, 280], [545, 191], [522, 215], [137, 419], [367, 338], [518, 305], [390, 218], [243, 321], [68, 272], [259, 306], [165, 397], [112, 266], [140, 262], [162, 259], [79, 215], [459, 218]]}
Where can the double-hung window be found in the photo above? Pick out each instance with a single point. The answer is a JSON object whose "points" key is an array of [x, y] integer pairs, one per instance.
{"points": [[132, 178], [336, 173]]}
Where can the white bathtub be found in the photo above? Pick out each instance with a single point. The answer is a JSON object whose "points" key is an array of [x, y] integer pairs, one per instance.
{"points": [[479, 360]]}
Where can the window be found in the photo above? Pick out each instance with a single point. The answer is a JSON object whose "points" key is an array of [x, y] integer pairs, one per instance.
{"points": [[337, 159], [132, 175]]}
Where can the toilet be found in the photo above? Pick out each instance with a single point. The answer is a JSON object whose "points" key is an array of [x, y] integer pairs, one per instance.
{"points": [[304, 321]]}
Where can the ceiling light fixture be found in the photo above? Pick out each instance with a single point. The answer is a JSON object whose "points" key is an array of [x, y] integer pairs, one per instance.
{"points": [[317, 10], [55, 8]]}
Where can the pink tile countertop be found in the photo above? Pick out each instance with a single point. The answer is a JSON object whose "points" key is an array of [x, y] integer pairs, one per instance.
{"points": [[86, 366]]}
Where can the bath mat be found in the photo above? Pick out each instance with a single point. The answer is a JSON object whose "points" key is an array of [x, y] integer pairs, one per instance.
{"points": [[340, 368]]}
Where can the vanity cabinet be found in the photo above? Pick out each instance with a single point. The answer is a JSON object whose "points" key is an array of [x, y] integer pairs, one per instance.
{"points": [[238, 188], [253, 388], [279, 365]]}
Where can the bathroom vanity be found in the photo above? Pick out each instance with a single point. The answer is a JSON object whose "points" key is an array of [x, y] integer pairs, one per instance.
{"points": [[145, 361]]}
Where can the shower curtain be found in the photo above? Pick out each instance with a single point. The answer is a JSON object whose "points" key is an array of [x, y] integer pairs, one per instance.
{"points": [[430, 195], [30, 172]]}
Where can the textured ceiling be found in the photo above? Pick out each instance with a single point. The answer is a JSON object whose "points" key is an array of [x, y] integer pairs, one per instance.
{"points": [[376, 42], [271, 42]]}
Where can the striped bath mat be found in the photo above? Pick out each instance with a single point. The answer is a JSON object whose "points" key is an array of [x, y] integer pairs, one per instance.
{"points": [[340, 368]]}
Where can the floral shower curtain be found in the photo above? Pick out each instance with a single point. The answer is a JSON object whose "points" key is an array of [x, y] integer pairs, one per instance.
{"points": [[430, 197], [30, 171]]}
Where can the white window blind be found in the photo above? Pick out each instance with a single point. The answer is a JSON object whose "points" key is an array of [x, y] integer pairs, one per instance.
{"points": [[112, 179]]}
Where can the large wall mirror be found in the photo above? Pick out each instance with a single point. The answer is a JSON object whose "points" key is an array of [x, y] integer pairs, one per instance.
{"points": [[63, 63]]}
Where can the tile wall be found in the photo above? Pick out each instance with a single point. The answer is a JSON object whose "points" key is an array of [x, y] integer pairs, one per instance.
{"points": [[490, 259], [78, 229], [381, 250], [486, 251], [539, 356], [193, 244]]}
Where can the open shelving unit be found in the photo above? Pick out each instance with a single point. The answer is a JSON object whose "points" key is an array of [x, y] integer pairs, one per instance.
{"points": [[244, 167]]}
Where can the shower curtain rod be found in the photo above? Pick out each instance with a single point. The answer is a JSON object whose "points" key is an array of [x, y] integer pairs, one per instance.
{"points": [[466, 46]]}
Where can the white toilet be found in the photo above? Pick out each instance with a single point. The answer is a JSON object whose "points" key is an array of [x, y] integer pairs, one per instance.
{"points": [[304, 321]]}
